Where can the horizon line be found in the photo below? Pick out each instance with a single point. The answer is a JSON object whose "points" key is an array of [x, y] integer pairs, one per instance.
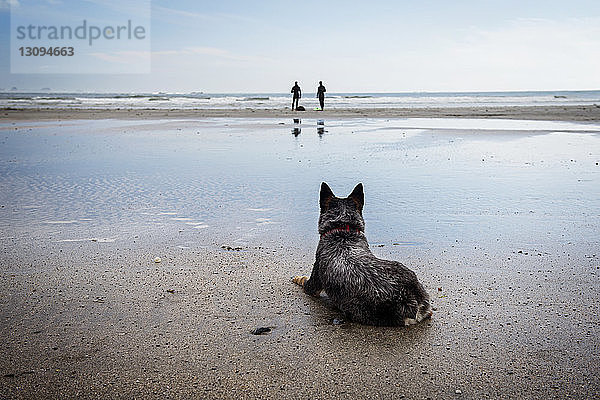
{"points": [[49, 90]]}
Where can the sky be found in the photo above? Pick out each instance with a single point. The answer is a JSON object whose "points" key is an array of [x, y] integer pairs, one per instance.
{"points": [[364, 46]]}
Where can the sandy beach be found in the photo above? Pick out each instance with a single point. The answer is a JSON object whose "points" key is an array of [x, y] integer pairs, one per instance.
{"points": [[550, 113], [495, 209]]}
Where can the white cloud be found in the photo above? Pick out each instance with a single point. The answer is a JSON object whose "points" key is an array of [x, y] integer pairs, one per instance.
{"points": [[137, 8], [212, 52], [7, 4], [528, 53], [525, 54], [123, 57], [182, 13], [160, 11]]}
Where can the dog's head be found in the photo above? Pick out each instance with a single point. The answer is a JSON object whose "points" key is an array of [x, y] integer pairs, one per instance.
{"points": [[341, 214]]}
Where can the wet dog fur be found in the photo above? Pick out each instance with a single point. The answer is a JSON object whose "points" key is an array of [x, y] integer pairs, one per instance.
{"points": [[366, 289]]}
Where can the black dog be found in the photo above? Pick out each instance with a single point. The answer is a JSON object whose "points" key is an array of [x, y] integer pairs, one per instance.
{"points": [[365, 288]]}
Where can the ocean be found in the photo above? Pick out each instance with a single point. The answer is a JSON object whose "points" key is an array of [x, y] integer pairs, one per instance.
{"points": [[199, 100]]}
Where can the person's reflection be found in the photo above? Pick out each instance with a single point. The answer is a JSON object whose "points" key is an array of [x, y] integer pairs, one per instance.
{"points": [[320, 127]]}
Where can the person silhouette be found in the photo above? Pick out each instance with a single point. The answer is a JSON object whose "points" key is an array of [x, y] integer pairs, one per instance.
{"points": [[297, 94], [321, 94]]}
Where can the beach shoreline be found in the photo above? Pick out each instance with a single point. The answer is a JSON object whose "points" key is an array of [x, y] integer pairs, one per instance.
{"points": [[585, 113]]}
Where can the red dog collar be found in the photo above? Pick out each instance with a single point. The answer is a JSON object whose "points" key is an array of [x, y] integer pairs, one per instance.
{"points": [[341, 229]]}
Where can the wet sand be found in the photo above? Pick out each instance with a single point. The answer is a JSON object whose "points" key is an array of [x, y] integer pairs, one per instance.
{"points": [[550, 113], [114, 324], [498, 220]]}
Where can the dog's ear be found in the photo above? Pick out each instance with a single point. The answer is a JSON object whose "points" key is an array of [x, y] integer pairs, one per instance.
{"points": [[358, 196], [325, 196]]}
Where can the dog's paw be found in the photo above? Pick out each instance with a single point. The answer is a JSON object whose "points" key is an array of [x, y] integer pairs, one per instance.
{"points": [[423, 315], [300, 280]]}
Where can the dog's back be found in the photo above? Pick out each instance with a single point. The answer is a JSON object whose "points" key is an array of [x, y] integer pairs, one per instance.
{"points": [[365, 288]]}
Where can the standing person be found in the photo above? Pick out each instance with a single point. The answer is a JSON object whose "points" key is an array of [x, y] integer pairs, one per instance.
{"points": [[321, 94], [297, 94]]}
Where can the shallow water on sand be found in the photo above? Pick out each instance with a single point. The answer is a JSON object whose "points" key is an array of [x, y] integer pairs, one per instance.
{"points": [[428, 182]]}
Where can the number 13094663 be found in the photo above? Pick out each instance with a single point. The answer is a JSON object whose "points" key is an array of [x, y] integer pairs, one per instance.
{"points": [[47, 51]]}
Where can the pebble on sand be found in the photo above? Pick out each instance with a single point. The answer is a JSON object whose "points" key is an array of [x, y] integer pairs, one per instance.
{"points": [[157, 259], [261, 330]]}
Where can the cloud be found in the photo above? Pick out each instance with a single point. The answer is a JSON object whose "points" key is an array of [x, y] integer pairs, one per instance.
{"points": [[174, 60], [182, 13], [522, 54], [137, 8], [536, 40], [535, 50], [213, 52], [123, 57], [160, 11], [7, 4]]}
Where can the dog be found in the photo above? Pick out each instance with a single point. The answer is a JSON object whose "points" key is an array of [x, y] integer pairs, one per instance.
{"points": [[366, 289]]}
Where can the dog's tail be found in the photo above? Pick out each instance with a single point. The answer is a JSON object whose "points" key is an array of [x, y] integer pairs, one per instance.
{"points": [[300, 280]]}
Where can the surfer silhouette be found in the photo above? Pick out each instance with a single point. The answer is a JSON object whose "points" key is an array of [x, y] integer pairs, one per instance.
{"points": [[297, 94], [321, 94]]}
